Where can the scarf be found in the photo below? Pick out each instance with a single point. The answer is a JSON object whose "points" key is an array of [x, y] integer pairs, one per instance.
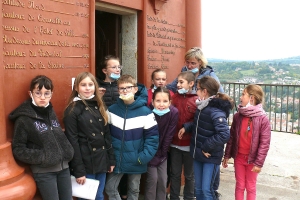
{"points": [[252, 111], [203, 103], [79, 98]]}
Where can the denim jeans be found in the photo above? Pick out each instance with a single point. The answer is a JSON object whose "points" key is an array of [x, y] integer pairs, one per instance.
{"points": [[54, 185], [101, 177], [113, 180], [155, 188], [217, 181], [181, 158], [245, 178], [205, 174]]}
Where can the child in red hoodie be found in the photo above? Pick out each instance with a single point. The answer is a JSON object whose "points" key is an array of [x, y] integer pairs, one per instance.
{"points": [[184, 101]]}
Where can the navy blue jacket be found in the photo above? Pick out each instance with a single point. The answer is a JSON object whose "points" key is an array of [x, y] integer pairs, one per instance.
{"points": [[134, 134], [210, 131]]}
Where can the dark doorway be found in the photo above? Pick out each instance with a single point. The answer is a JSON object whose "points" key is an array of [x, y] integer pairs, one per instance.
{"points": [[107, 38]]}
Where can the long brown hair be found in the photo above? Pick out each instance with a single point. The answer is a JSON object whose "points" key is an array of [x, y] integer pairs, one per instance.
{"points": [[101, 105], [212, 87]]}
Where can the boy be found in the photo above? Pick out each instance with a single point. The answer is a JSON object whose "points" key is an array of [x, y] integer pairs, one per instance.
{"points": [[134, 134], [184, 101]]}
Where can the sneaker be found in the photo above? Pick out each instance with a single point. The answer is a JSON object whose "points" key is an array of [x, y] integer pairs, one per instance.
{"points": [[217, 194]]}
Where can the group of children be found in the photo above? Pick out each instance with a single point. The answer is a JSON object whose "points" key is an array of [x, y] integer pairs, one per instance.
{"points": [[118, 127]]}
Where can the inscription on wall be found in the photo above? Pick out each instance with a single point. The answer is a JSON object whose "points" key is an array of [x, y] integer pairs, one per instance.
{"points": [[48, 34], [165, 39]]}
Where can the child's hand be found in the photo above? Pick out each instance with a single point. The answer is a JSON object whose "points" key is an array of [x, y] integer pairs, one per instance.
{"points": [[181, 132], [256, 169], [102, 91], [207, 155], [111, 169], [81, 180], [225, 162]]}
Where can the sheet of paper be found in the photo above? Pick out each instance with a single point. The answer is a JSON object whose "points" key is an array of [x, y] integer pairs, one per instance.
{"points": [[86, 191]]}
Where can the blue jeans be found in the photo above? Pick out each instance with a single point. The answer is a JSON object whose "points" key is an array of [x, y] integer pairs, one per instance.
{"points": [[54, 185], [217, 181], [205, 174], [101, 177]]}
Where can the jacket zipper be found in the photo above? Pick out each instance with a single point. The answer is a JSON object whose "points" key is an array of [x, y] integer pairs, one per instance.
{"points": [[251, 143], [122, 139], [196, 133]]}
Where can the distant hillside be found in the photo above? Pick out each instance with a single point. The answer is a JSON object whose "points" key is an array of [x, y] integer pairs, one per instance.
{"points": [[276, 71], [290, 60]]}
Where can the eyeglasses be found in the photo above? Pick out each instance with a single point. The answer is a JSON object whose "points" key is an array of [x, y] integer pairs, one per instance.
{"points": [[128, 88], [187, 63], [39, 94], [119, 67], [197, 89]]}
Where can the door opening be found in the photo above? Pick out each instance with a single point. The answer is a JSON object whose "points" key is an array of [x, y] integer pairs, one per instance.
{"points": [[108, 38]]}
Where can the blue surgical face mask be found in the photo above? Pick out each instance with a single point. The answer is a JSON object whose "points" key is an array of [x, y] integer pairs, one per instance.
{"points": [[114, 76], [161, 112], [195, 70], [182, 91]]}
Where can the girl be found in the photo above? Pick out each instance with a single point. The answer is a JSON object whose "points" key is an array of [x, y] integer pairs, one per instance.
{"points": [[108, 88], [108, 85], [184, 101], [166, 116], [209, 134], [250, 136], [158, 79], [86, 127], [40, 141]]}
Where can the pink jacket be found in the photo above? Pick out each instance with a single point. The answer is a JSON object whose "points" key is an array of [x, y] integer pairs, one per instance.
{"points": [[261, 137]]}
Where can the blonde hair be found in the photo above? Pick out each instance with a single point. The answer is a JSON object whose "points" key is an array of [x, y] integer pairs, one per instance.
{"points": [[257, 92], [101, 105], [196, 52]]}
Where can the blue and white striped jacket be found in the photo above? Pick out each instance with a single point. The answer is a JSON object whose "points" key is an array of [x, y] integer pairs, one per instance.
{"points": [[134, 132]]}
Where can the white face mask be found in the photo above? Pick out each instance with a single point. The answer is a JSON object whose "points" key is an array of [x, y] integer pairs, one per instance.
{"points": [[249, 104], [126, 97], [33, 102]]}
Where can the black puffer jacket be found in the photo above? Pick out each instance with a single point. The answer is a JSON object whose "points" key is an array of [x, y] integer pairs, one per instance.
{"points": [[90, 138], [38, 139], [111, 94]]}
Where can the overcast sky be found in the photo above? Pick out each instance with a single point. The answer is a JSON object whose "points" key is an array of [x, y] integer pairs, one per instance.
{"points": [[250, 29]]}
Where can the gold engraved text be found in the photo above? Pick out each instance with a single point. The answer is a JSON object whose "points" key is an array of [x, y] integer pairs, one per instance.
{"points": [[13, 53], [13, 15], [52, 65], [14, 40], [32, 5], [10, 28], [16, 3]]}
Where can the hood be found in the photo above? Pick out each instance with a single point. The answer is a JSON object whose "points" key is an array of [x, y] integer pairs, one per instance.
{"points": [[221, 104], [140, 97], [24, 109], [206, 71]]}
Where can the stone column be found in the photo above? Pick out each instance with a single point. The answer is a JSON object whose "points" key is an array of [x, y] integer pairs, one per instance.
{"points": [[193, 23], [15, 184]]}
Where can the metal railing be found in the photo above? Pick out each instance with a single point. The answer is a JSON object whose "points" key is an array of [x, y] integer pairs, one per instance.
{"points": [[281, 104]]}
